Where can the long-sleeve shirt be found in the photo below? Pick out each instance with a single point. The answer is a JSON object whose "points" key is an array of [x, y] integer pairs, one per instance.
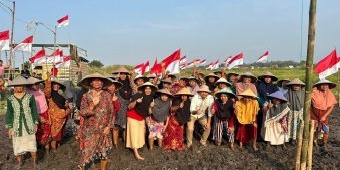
{"points": [[201, 105], [40, 100]]}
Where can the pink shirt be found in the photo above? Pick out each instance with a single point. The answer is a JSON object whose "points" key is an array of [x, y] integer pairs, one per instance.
{"points": [[40, 100]]}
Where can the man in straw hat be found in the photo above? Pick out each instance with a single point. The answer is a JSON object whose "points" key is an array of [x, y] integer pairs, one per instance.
{"points": [[57, 109], [44, 127], [200, 109], [275, 124], [97, 116], [296, 99], [246, 110], [22, 120], [323, 102]]}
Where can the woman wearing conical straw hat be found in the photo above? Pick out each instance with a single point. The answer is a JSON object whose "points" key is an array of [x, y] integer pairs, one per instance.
{"points": [[180, 115], [247, 81], [246, 110], [22, 120], [323, 102], [224, 116], [97, 116], [296, 99]]}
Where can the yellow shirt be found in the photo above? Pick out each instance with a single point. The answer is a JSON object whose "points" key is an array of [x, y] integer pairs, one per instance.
{"points": [[246, 111]]}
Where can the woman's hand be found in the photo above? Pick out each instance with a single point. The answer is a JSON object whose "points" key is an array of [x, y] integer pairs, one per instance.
{"points": [[106, 130]]}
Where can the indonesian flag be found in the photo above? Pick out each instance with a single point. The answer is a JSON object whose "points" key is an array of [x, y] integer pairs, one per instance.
{"points": [[139, 68], [209, 66], [156, 68], [183, 66], [172, 62], [327, 66], [263, 58], [227, 60], [146, 67], [63, 21], [202, 62], [183, 60], [235, 61], [25, 45], [65, 63], [4, 40], [216, 65], [55, 57], [195, 62], [40, 54]]}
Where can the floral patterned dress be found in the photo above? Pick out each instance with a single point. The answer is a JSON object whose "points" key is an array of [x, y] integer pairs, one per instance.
{"points": [[93, 143]]}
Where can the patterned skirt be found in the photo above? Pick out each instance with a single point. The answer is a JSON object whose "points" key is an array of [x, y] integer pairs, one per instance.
{"points": [[173, 135], [155, 128], [44, 129]]}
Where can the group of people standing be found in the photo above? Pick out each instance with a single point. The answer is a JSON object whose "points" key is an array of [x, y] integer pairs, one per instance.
{"points": [[229, 107]]}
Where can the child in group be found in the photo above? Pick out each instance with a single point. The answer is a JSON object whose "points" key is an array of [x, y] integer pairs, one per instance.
{"points": [[159, 110]]}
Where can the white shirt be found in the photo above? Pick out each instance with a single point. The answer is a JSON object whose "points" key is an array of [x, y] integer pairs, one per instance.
{"points": [[201, 105]]}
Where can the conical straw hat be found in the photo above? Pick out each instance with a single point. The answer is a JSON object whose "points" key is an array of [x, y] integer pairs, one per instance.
{"points": [[295, 81], [331, 85], [269, 74], [278, 95], [153, 87], [184, 91], [248, 74], [86, 81], [225, 91], [19, 81], [165, 91], [248, 93], [204, 88], [121, 69], [223, 80]]}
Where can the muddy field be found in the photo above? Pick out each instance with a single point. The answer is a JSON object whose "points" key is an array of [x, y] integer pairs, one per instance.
{"points": [[210, 157]]}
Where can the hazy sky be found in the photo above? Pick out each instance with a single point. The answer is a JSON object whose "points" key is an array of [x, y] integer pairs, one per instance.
{"points": [[131, 32]]}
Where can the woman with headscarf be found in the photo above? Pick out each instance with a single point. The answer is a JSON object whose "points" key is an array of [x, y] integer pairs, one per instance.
{"points": [[44, 128], [180, 115], [323, 102], [124, 95], [158, 120], [246, 81], [210, 81], [57, 108], [224, 116], [137, 111], [21, 121], [296, 99], [97, 116]]}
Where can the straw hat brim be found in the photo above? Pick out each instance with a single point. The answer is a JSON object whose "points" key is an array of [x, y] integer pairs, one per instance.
{"points": [[121, 70], [210, 75], [331, 85], [86, 81], [142, 77], [153, 87], [184, 94], [218, 94], [274, 78], [253, 78], [165, 92]]}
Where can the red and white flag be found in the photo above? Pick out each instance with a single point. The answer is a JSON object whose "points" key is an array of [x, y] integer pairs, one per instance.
{"points": [[171, 63], [40, 54], [146, 67], [202, 62], [235, 61], [195, 62], [226, 61], [156, 68], [139, 69], [209, 66], [4, 40], [216, 65], [65, 63], [263, 58], [328, 65], [25, 45], [183, 60], [55, 57], [64, 21]]}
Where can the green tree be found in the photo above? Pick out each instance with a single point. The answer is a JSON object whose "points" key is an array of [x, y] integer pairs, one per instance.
{"points": [[96, 63]]}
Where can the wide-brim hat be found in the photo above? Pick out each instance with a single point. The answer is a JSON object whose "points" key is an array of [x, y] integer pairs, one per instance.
{"points": [[121, 69], [57, 81], [331, 85], [248, 74], [279, 83], [34, 80], [86, 81], [217, 71], [201, 73], [278, 95], [267, 74], [146, 84], [295, 81], [184, 92], [184, 79], [167, 80], [19, 81], [165, 91], [248, 93], [211, 75], [172, 75], [140, 77], [232, 73], [225, 91], [153, 75], [193, 78], [204, 88], [223, 80], [115, 82]]}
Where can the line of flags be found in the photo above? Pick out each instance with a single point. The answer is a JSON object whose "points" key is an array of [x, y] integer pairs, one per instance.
{"points": [[40, 57]]}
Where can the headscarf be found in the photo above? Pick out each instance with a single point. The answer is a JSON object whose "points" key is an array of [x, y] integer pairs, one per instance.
{"points": [[161, 109], [296, 99], [264, 89], [58, 99], [125, 91], [182, 114], [323, 100], [277, 109], [143, 107]]}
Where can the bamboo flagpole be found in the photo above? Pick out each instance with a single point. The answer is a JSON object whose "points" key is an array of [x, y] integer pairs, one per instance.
{"points": [[310, 145], [309, 73], [299, 147]]}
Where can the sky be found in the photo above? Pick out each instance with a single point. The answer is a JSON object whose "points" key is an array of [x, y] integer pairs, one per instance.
{"points": [[131, 32]]}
